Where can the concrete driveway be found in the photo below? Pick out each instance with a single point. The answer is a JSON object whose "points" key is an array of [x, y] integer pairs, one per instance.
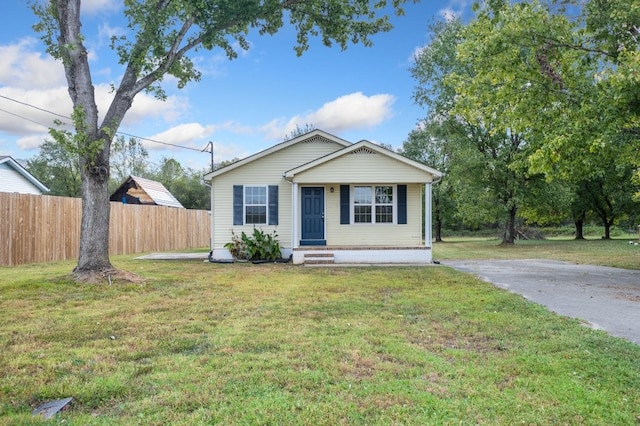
{"points": [[607, 298]]}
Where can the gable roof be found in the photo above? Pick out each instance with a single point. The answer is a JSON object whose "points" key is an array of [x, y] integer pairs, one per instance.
{"points": [[310, 135], [363, 144], [156, 192], [13, 164]]}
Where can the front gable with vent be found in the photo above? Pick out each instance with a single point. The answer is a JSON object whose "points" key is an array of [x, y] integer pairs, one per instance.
{"points": [[325, 197]]}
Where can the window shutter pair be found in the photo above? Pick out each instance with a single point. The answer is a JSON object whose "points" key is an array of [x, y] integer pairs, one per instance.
{"points": [[345, 217], [238, 204]]}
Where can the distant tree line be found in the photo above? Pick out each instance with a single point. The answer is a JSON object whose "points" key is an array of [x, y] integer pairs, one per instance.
{"points": [[58, 169]]}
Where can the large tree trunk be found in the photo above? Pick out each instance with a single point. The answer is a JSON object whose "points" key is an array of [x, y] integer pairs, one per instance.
{"points": [[510, 228], [438, 217], [94, 229], [607, 228], [438, 230], [579, 223]]}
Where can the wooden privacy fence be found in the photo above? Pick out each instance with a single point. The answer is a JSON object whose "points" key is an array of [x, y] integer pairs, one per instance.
{"points": [[40, 228]]}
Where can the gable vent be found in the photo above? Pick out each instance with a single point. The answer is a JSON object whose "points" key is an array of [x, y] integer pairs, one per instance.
{"points": [[363, 150], [317, 139]]}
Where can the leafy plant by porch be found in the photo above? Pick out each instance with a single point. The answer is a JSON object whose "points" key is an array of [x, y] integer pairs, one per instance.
{"points": [[257, 246], [202, 343]]}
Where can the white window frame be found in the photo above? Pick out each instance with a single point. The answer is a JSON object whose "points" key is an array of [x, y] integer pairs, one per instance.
{"points": [[245, 204], [394, 204]]}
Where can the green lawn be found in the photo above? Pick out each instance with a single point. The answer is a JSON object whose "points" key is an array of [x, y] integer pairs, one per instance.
{"points": [[615, 252], [246, 344]]}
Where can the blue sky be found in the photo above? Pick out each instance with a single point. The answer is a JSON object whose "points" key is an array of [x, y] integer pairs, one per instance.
{"points": [[242, 106]]}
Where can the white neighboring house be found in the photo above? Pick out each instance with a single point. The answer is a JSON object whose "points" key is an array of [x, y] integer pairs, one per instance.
{"points": [[16, 179], [329, 200]]}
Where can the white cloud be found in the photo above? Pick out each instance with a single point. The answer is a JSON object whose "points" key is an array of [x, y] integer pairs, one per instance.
{"points": [[454, 9], [196, 136], [33, 141], [417, 52], [97, 6], [449, 14], [349, 112], [144, 107], [183, 134], [106, 31], [23, 67], [20, 118]]}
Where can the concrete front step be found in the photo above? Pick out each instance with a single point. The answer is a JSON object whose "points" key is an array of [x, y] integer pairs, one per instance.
{"points": [[319, 259]]}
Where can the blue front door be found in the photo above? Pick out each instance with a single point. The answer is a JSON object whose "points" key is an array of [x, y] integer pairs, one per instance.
{"points": [[313, 216]]}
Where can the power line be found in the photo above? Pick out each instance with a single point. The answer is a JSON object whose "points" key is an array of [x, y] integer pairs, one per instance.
{"points": [[155, 141], [23, 118], [33, 106], [69, 118]]}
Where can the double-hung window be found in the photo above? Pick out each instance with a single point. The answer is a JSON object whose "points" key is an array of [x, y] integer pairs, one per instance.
{"points": [[255, 205], [373, 204]]}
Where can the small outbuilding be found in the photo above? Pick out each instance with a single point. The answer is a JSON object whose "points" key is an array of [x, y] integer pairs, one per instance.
{"points": [[137, 190], [15, 178]]}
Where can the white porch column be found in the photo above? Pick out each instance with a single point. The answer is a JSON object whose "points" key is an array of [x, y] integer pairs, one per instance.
{"points": [[427, 215], [294, 216]]}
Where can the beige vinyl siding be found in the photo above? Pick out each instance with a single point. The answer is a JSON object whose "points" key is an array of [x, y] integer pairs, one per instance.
{"points": [[267, 170], [362, 168], [383, 234]]}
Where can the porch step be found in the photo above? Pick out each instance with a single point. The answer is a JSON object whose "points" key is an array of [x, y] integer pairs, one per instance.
{"points": [[319, 259]]}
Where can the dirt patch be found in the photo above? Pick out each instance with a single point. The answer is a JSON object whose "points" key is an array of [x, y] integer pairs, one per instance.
{"points": [[109, 276]]}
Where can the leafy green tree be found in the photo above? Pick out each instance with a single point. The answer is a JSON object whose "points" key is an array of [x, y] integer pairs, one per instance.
{"points": [[608, 197], [185, 184], [191, 190], [299, 131], [564, 88], [128, 158], [225, 163], [162, 34], [486, 165], [422, 145], [57, 168]]}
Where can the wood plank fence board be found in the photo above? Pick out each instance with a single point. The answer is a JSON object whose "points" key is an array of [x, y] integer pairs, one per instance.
{"points": [[41, 228]]}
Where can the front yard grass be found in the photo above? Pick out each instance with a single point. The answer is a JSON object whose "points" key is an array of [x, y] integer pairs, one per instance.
{"points": [[247, 344], [620, 252]]}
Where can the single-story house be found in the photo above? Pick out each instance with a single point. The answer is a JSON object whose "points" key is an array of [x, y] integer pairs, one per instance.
{"points": [[328, 200], [137, 190], [15, 178]]}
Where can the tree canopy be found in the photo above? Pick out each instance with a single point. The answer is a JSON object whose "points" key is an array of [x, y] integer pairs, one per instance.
{"points": [[538, 88]]}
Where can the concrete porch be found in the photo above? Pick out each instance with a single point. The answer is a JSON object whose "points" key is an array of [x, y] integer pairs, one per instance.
{"points": [[330, 255]]}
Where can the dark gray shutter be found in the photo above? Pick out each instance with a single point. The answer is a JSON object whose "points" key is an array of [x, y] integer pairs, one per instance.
{"points": [[238, 204], [273, 204], [402, 204], [344, 205]]}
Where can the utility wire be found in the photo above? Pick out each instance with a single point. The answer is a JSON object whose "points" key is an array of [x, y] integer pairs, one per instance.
{"points": [[69, 118], [20, 116], [33, 106]]}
